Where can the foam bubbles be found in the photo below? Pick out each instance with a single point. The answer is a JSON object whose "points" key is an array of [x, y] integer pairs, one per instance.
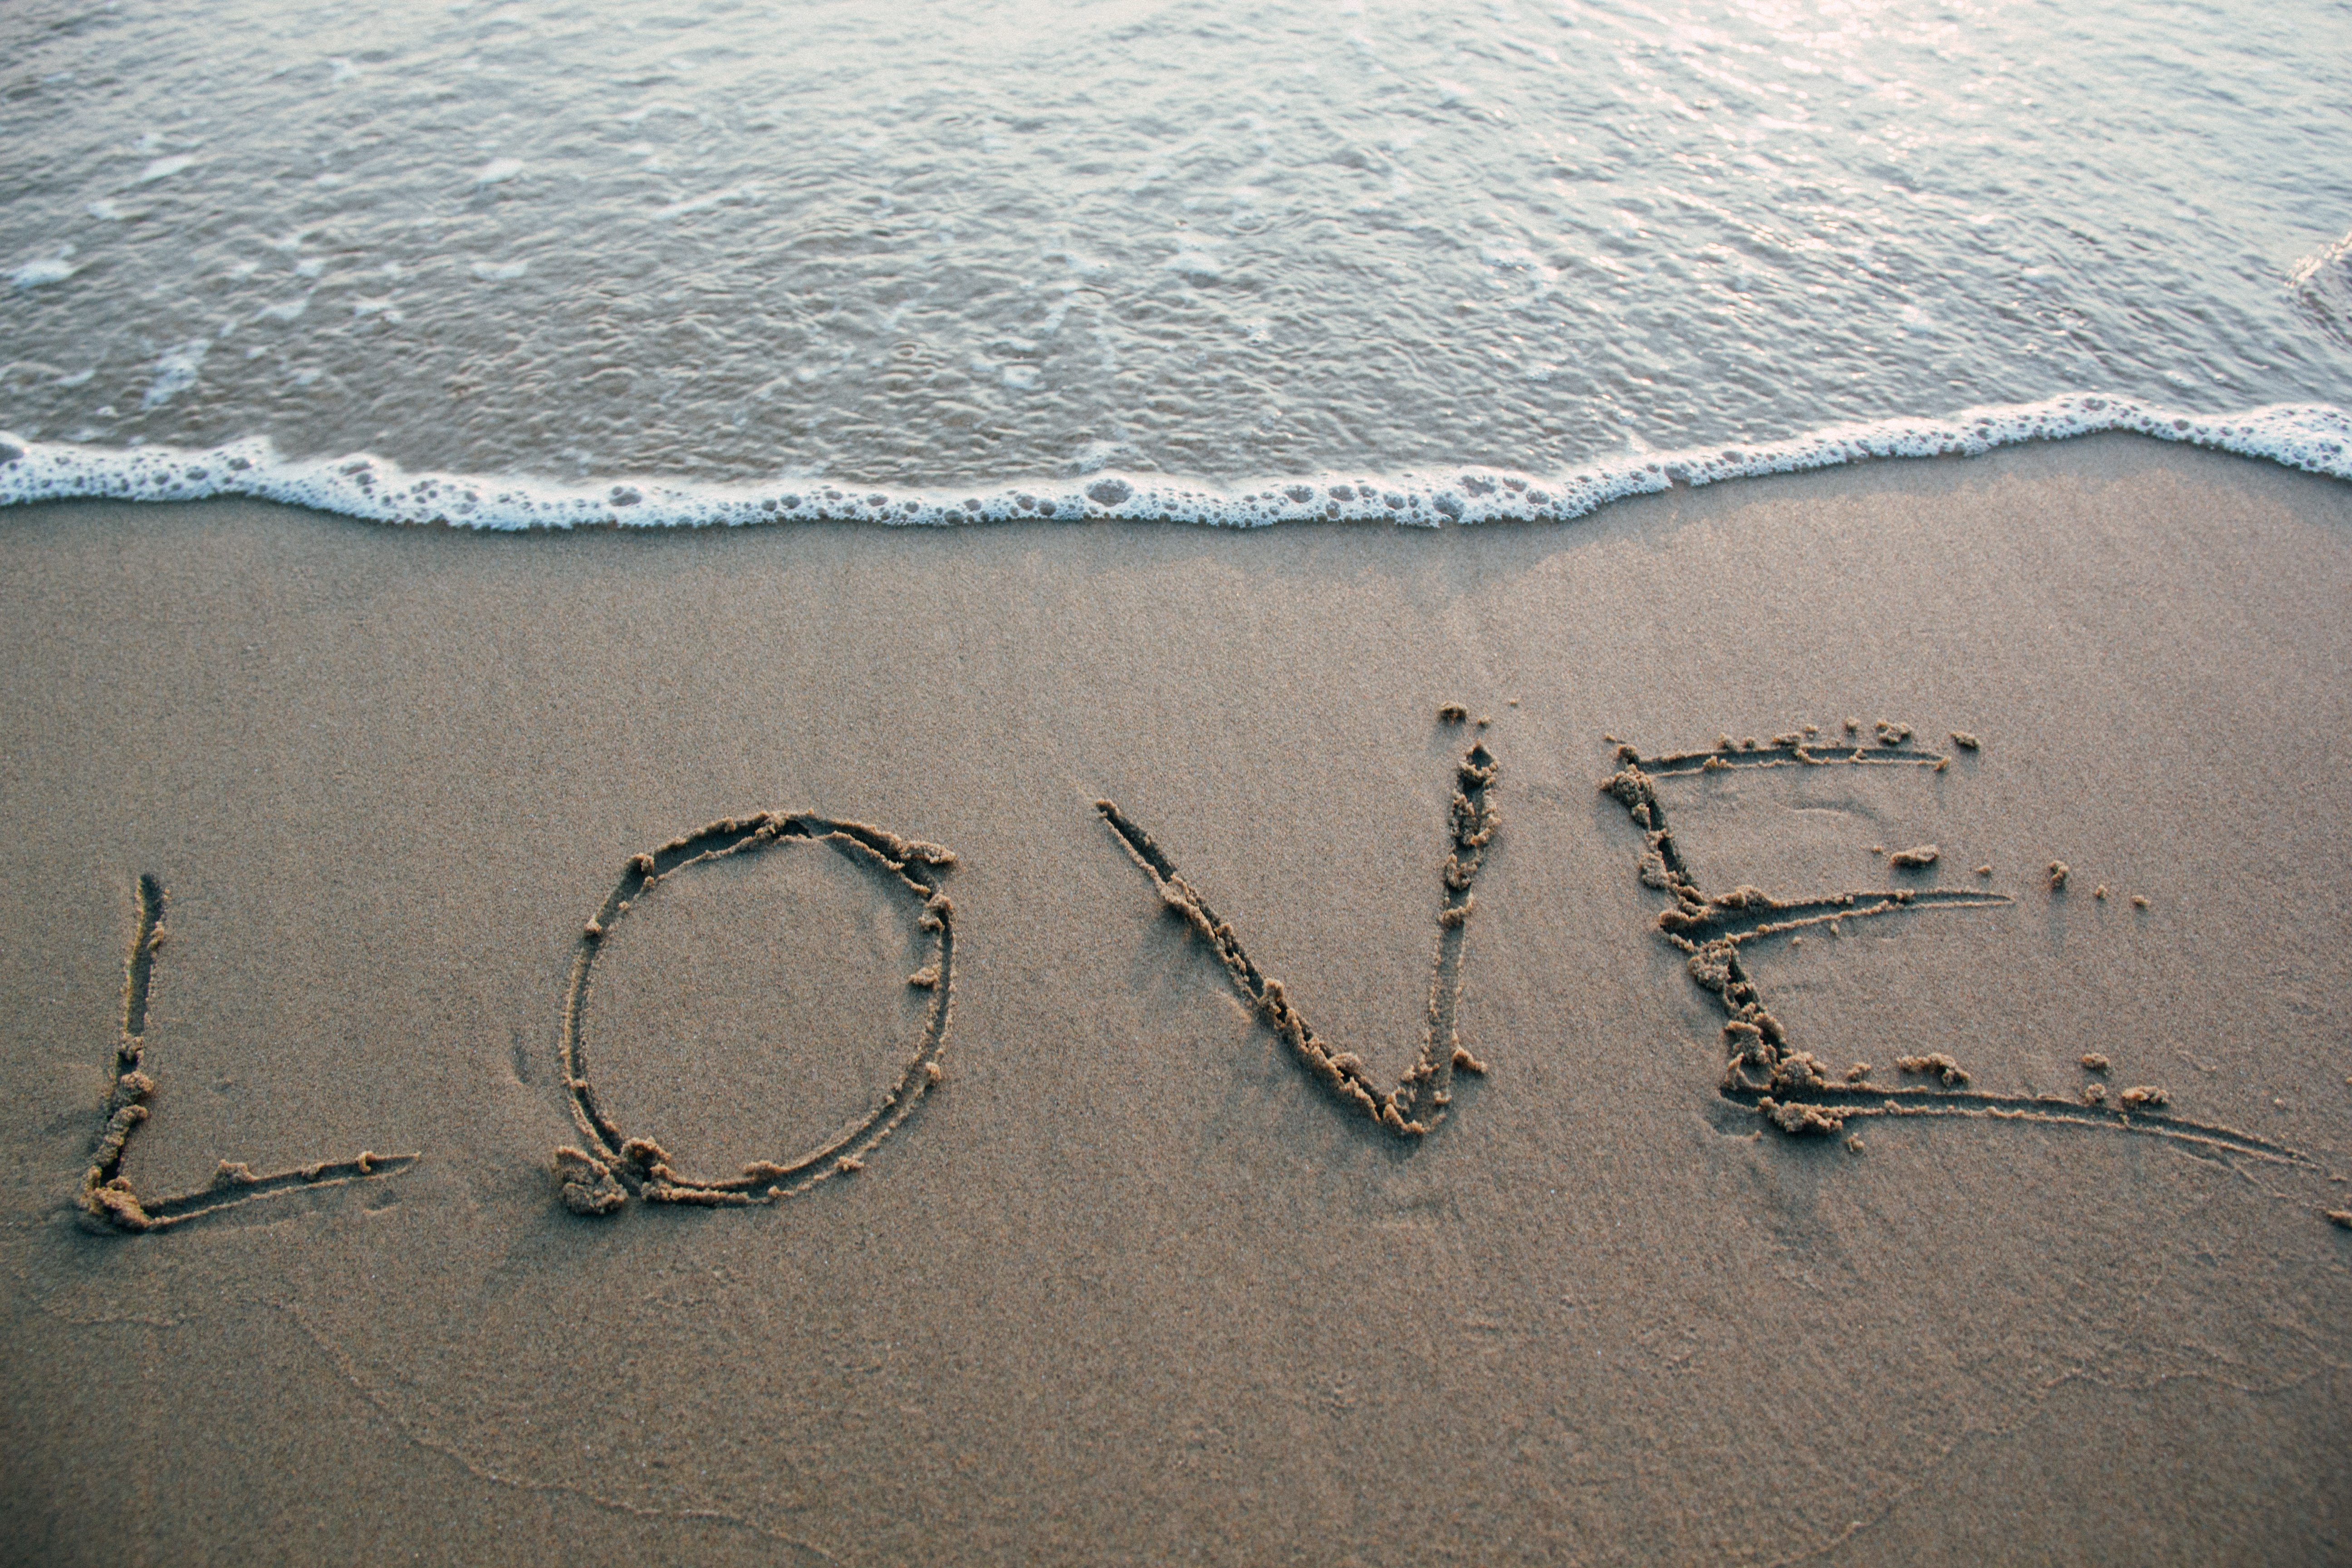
{"points": [[2314, 437], [49, 269], [733, 195], [176, 372]]}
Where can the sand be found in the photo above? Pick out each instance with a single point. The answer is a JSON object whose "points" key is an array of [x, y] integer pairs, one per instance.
{"points": [[1130, 1276]]}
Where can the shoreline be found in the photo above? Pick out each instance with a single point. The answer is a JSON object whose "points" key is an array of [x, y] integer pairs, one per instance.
{"points": [[2308, 438], [1132, 1275]]}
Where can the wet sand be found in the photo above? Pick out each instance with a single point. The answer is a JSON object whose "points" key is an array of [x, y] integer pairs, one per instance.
{"points": [[1133, 1275]]}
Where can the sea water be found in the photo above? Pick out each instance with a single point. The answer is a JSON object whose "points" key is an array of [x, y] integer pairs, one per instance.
{"points": [[529, 263]]}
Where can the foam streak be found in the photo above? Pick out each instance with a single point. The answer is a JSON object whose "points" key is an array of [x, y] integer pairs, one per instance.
{"points": [[2314, 437]]}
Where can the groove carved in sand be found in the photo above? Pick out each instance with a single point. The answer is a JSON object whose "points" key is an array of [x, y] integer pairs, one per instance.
{"points": [[1790, 1088], [1420, 1099], [598, 1175], [108, 1200]]}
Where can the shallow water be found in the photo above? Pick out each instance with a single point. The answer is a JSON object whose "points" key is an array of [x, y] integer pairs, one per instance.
{"points": [[970, 252]]}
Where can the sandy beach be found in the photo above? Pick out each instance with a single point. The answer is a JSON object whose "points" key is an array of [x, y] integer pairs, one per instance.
{"points": [[1127, 1278]]}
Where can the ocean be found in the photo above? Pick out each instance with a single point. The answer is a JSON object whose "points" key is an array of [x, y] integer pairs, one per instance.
{"points": [[518, 264]]}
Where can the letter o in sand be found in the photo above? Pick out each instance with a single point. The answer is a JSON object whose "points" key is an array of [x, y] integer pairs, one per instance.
{"points": [[610, 1163]]}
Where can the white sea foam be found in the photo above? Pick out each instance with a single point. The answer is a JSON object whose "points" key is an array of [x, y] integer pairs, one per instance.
{"points": [[46, 270], [733, 195], [175, 370], [2314, 438]]}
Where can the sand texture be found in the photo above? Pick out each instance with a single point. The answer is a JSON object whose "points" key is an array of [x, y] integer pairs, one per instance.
{"points": [[1066, 1055]]}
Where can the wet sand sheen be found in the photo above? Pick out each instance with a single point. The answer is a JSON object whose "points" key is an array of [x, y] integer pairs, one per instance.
{"points": [[1140, 1276]]}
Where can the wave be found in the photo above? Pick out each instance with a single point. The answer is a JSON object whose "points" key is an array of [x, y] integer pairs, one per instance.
{"points": [[2314, 437], [2322, 284]]}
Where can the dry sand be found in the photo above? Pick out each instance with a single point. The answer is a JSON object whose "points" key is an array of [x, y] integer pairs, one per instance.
{"points": [[1131, 1283]]}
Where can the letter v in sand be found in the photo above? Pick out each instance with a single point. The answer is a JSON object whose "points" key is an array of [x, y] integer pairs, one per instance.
{"points": [[1418, 1101]]}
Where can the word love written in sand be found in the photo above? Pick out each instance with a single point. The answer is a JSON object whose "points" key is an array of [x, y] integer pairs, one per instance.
{"points": [[1723, 935]]}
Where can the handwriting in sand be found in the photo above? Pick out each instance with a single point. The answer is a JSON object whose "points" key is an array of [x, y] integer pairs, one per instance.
{"points": [[1725, 937]]}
